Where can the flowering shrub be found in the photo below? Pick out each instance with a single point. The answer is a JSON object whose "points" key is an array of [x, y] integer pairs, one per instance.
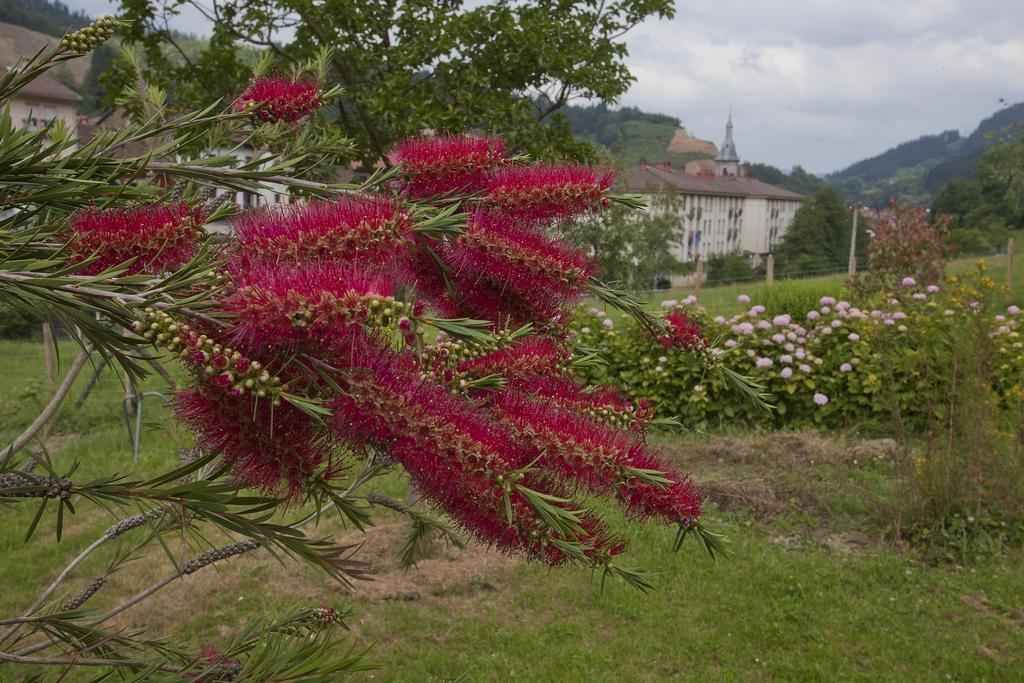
{"points": [[417, 322], [835, 365], [315, 344]]}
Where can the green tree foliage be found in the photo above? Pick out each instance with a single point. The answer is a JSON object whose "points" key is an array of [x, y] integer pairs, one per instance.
{"points": [[51, 18], [981, 210], [632, 247], [819, 238], [507, 67], [798, 180], [729, 268], [905, 245]]}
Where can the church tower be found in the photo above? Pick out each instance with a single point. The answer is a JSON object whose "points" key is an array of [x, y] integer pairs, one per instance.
{"points": [[728, 162]]}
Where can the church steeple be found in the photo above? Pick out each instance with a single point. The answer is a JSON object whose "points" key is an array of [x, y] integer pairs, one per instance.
{"points": [[728, 161]]}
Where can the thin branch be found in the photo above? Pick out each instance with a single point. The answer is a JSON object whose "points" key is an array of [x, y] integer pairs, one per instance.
{"points": [[113, 532], [50, 410], [82, 661], [192, 566]]}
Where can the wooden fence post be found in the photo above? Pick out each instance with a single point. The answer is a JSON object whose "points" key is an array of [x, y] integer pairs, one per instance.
{"points": [[700, 276], [852, 270], [770, 270], [49, 361]]}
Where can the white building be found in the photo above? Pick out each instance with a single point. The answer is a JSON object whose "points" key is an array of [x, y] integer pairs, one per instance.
{"points": [[721, 213]]}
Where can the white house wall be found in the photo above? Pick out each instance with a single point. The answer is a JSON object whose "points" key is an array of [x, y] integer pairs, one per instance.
{"points": [[730, 224]]}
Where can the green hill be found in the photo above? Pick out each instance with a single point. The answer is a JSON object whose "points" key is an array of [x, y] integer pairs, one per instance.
{"points": [[915, 171], [51, 18], [632, 135]]}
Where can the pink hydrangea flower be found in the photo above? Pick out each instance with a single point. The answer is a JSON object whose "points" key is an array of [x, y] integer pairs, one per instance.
{"points": [[781, 320], [908, 282], [820, 398], [765, 362], [845, 367], [786, 373], [743, 299]]}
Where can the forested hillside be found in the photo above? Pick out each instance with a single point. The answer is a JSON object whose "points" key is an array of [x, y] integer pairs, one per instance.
{"points": [[915, 171], [51, 18], [632, 135]]}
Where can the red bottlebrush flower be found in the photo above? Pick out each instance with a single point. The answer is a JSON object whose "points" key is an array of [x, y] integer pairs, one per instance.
{"points": [[160, 238], [679, 502], [483, 300], [598, 457], [458, 458], [280, 98], [526, 358], [683, 333], [323, 303], [447, 163], [274, 449], [371, 229], [544, 192], [325, 615], [514, 256], [226, 668], [602, 404]]}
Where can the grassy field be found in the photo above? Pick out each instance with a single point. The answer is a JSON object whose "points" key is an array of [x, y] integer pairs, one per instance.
{"points": [[721, 299], [812, 590]]}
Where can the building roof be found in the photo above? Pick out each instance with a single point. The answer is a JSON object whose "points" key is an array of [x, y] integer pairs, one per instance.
{"points": [[728, 151], [645, 178], [46, 88]]}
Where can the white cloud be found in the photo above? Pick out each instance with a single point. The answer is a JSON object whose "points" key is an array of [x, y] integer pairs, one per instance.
{"points": [[824, 84]]}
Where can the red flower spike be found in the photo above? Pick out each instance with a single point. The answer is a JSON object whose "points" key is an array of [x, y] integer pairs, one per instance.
{"points": [[596, 457], [280, 99], [456, 456], [447, 163], [526, 358], [370, 229], [683, 333], [519, 258], [160, 238], [323, 304], [274, 449], [545, 192], [602, 404]]}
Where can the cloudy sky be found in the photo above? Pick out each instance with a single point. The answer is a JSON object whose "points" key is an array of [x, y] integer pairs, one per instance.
{"points": [[820, 83]]}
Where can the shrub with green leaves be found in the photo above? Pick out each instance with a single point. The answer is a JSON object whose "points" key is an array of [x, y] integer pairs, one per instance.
{"points": [[833, 364]]}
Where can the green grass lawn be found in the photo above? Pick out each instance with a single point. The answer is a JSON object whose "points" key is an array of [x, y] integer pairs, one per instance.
{"points": [[721, 299], [810, 592]]}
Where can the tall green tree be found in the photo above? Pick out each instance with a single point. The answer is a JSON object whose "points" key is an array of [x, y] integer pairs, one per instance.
{"points": [[819, 238], [506, 66], [631, 247]]}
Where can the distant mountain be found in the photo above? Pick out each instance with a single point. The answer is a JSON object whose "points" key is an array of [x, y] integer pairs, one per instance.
{"points": [[633, 135], [798, 180], [51, 18], [915, 171]]}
